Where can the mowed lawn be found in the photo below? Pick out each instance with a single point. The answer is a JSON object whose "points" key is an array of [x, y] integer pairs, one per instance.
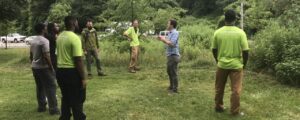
{"points": [[143, 96]]}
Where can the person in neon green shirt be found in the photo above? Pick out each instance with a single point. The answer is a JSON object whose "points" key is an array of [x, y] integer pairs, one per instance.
{"points": [[133, 34], [67, 48], [230, 50], [70, 72]]}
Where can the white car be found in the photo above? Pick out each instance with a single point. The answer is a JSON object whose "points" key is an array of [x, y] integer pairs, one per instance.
{"points": [[164, 33], [29, 39], [13, 37], [110, 30]]}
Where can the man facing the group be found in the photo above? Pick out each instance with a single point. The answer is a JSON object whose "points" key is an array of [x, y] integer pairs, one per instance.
{"points": [[173, 56], [230, 50]]}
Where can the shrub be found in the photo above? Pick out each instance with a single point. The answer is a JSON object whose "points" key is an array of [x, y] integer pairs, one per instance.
{"points": [[272, 46], [289, 72], [278, 48], [195, 41], [190, 52], [196, 35], [115, 51]]}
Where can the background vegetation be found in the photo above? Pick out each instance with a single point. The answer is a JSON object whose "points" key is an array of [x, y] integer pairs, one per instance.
{"points": [[272, 27]]}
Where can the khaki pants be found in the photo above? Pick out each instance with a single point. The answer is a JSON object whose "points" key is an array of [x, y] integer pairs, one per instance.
{"points": [[236, 76], [134, 57]]}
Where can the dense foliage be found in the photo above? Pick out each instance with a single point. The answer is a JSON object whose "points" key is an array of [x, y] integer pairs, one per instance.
{"points": [[278, 49]]}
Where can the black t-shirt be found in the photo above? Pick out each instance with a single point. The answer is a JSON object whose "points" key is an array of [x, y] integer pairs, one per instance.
{"points": [[52, 45]]}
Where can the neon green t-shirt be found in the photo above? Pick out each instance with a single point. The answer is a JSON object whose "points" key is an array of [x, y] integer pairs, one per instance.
{"points": [[134, 35], [68, 45], [230, 42]]}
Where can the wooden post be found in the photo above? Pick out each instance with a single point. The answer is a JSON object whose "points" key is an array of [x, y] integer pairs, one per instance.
{"points": [[242, 14], [132, 11], [6, 42]]}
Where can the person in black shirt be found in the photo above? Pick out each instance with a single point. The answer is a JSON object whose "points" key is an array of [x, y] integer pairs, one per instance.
{"points": [[53, 31]]}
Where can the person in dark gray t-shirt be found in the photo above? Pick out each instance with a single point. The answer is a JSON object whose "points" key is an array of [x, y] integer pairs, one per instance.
{"points": [[43, 71], [39, 48]]}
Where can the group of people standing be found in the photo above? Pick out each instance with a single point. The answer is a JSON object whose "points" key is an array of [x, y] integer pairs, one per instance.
{"points": [[59, 56]]}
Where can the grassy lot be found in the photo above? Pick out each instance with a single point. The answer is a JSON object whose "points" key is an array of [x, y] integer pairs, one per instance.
{"points": [[143, 96]]}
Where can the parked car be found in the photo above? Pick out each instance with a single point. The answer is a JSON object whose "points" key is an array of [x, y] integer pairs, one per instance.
{"points": [[29, 39], [163, 33], [13, 37], [110, 30], [149, 32]]}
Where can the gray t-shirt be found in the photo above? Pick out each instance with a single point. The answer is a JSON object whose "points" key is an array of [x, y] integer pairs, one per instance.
{"points": [[38, 47]]}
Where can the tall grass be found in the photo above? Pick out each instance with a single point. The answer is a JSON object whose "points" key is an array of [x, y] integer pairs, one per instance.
{"points": [[116, 52]]}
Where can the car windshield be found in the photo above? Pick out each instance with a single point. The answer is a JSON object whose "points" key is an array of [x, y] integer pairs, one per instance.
{"points": [[31, 37], [16, 34]]}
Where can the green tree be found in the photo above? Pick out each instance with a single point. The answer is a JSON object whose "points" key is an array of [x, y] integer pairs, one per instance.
{"points": [[11, 9], [84, 9], [163, 15], [204, 7], [155, 11], [58, 12], [11, 13]]}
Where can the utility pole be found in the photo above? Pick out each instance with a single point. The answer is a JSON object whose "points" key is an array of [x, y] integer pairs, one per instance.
{"points": [[242, 14], [6, 42], [132, 10]]}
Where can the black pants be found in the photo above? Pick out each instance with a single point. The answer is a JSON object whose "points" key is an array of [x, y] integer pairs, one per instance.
{"points": [[54, 61], [172, 66], [73, 94], [89, 56], [45, 87]]}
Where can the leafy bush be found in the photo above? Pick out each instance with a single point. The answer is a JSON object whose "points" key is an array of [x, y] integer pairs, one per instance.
{"points": [[288, 72], [116, 52], [274, 45], [197, 35], [278, 48], [195, 42]]}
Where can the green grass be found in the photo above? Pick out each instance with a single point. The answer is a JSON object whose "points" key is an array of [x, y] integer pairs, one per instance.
{"points": [[143, 96]]}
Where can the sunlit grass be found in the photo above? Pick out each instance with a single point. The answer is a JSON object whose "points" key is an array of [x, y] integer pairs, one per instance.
{"points": [[143, 95]]}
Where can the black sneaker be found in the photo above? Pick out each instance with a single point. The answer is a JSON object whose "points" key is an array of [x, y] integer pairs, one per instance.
{"points": [[101, 74], [54, 112], [90, 76], [41, 109], [137, 68], [238, 114], [175, 91], [219, 110], [172, 91], [131, 71]]}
